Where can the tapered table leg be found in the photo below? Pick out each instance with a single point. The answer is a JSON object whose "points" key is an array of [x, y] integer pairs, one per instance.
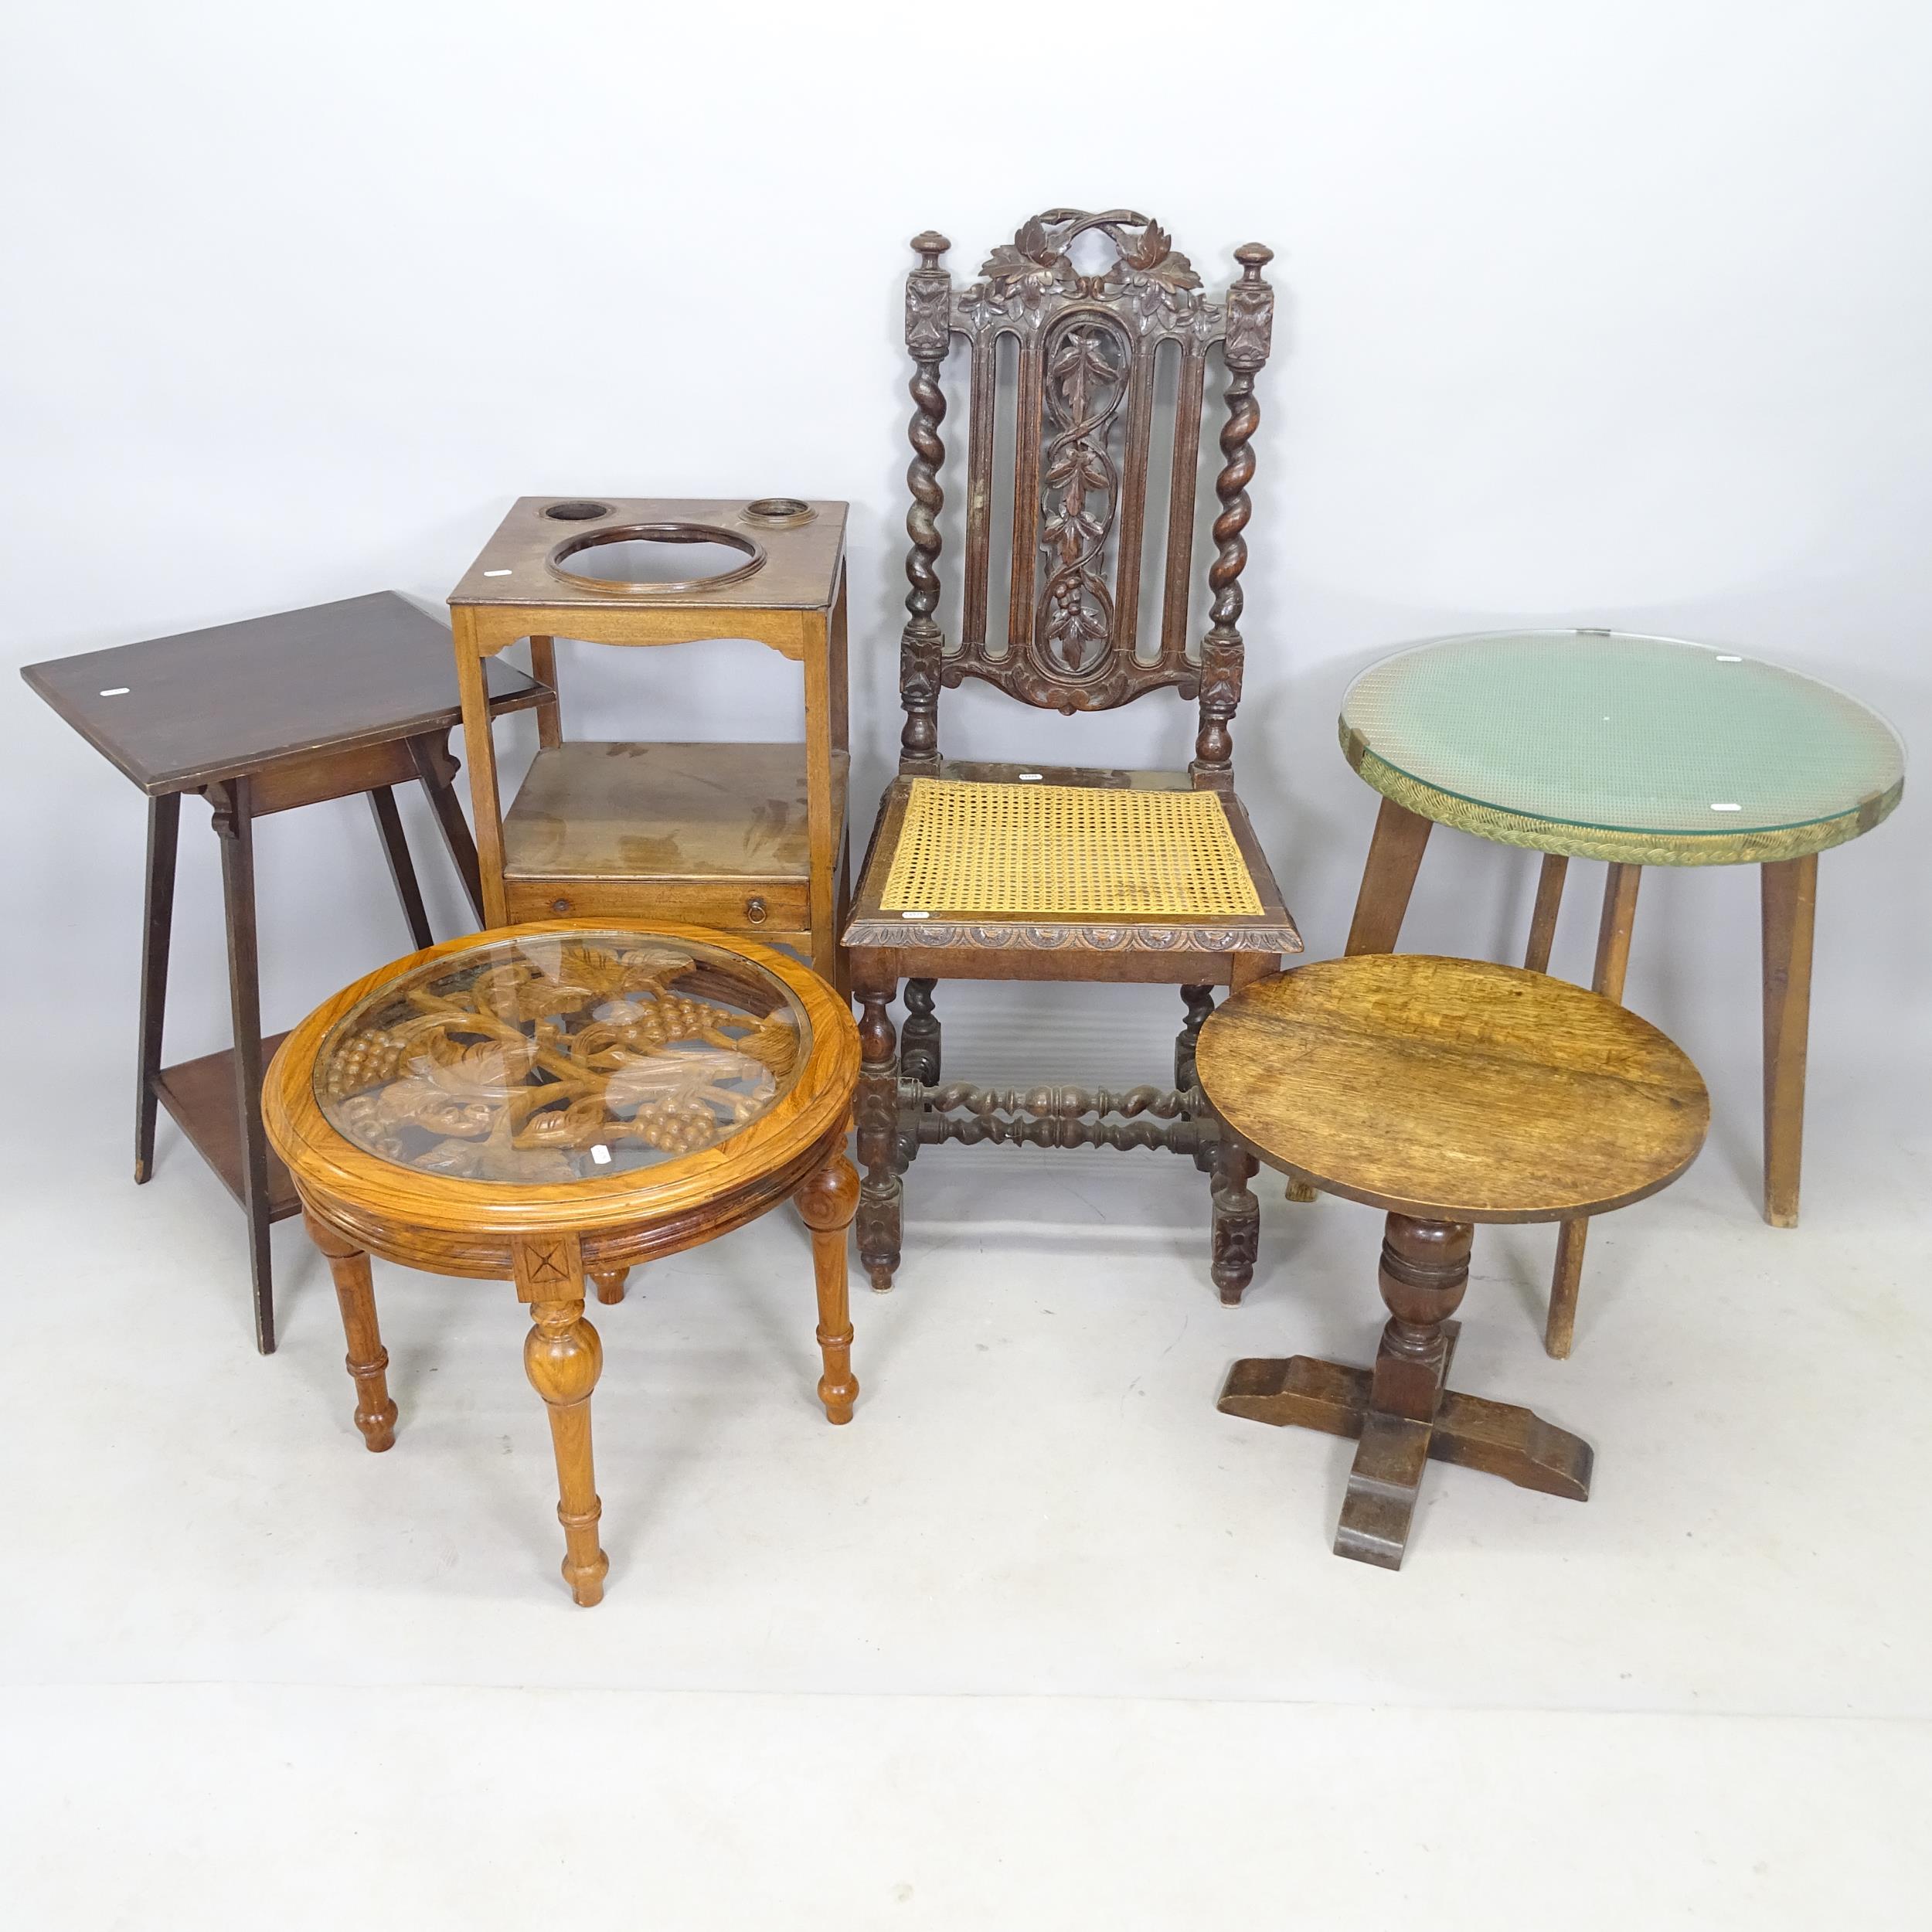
{"points": [[549, 714], [367, 1360], [436, 767], [164, 828], [402, 870], [1565, 1283], [234, 826], [1395, 854], [1550, 903], [480, 748], [827, 1202], [609, 1284], [1612, 963], [1789, 904]]}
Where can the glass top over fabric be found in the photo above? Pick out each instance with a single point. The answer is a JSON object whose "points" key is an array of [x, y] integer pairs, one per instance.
{"points": [[1652, 737], [562, 1057]]}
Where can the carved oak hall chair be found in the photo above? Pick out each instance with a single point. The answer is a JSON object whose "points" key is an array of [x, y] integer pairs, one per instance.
{"points": [[985, 871]]}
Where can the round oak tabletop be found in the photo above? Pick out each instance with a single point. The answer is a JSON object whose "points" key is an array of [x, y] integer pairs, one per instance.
{"points": [[632, 1085], [1451, 1089], [1601, 744]]}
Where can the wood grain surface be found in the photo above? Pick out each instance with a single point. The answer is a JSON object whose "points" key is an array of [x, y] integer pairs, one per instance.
{"points": [[799, 570], [1453, 1089], [174, 713]]}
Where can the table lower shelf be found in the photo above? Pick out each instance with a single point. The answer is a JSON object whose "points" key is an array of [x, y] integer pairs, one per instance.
{"points": [[704, 835], [199, 1095]]}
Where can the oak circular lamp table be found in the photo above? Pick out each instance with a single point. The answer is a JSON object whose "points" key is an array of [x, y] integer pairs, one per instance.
{"points": [[554, 1102], [1639, 751], [1446, 1091]]}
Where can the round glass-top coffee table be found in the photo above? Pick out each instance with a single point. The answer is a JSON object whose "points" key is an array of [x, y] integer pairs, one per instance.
{"points": [[1640, 751], [550, 1102]]}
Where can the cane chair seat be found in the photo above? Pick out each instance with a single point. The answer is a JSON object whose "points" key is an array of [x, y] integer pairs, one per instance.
{"points": [[1067, 851], [1138, 859]]}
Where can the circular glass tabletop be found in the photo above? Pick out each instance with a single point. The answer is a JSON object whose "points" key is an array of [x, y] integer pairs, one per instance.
{"points": [[1651, 736], [561, 1057]]}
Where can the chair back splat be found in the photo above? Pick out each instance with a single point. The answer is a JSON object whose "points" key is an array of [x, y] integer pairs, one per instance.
{"points": [[1090, 348]]}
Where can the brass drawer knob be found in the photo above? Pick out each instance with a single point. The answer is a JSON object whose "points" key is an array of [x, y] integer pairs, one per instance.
{"points": [[757, 910]]}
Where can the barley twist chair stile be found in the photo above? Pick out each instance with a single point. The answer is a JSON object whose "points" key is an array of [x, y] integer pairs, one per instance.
{"points": [[1011, 872]]}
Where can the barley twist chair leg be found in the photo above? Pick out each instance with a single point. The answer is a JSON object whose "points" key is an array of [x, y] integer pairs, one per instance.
{"points": [[919, 1038], [878, 1116], [1199, 1001], [1236, 1219]]}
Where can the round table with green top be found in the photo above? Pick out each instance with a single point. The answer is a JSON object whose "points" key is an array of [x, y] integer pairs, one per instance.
{"points": [[1640, 751]]}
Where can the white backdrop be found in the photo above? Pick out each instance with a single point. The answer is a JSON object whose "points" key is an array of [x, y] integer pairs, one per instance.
{"points": [[1589, 314]]}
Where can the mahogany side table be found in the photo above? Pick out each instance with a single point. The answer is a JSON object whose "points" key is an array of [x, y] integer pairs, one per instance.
{"points": [[558, 1101], [745, 838], [1445, 1092], [259, 717]]}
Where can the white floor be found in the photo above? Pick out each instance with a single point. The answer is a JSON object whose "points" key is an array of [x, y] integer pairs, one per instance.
{"points": [[1041, 1640]]}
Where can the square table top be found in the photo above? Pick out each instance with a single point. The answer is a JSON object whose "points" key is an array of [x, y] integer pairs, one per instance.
{"points": [[802, 555], [174, 713]]}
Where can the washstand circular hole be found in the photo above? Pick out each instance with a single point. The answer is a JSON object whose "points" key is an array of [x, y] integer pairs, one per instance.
{"points": [[639, 559], [577, 512], [779, 512]]}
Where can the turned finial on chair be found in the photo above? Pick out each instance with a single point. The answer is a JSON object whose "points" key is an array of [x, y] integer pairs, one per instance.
{"points": [[931, 245], [1254, 257]]}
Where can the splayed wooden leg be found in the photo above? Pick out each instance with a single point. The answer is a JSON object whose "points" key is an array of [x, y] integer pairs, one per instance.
{"points": [[1543, 921], [1395, 855], [1612, 963], [1565, 1283], [1790, 902], [164, 828]]}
